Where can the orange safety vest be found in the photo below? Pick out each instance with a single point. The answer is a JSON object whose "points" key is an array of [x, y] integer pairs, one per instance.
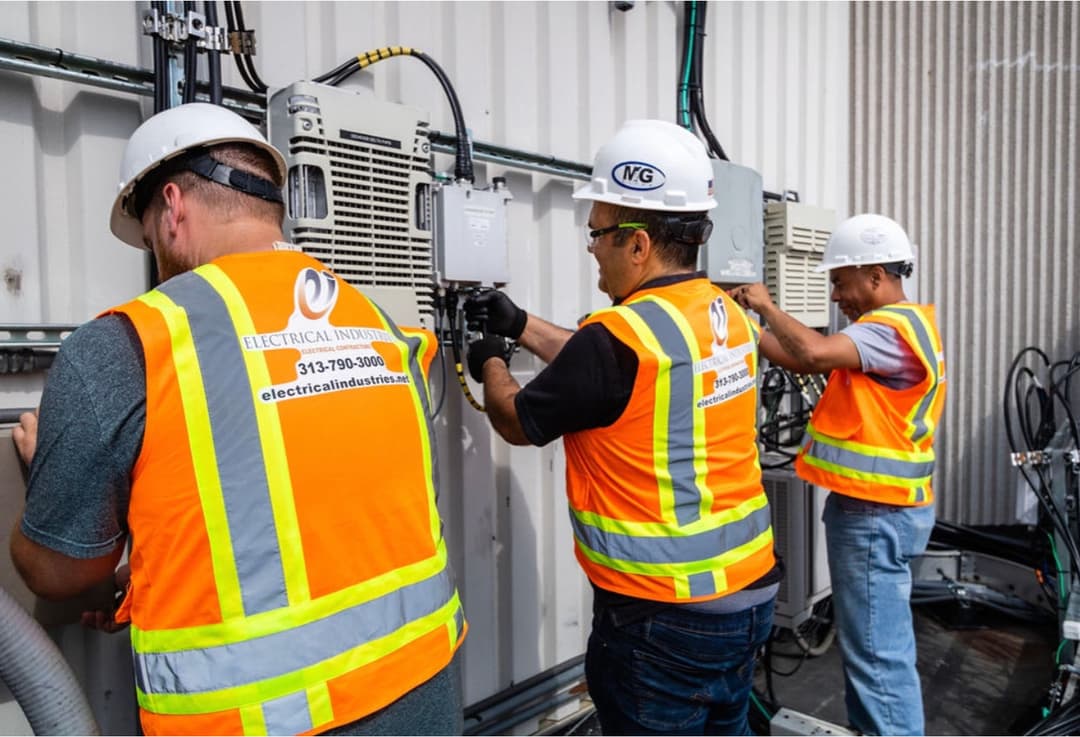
{"points": [[869, 441], [288, 571], [666, 503]]}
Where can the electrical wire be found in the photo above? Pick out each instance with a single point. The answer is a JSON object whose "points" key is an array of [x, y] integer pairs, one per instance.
{"points": [[1032, 410], [781, 431], [463, 165], [682, 102], [451, 312], [697, 95], [213, 57], [439, 304], [191, 60], [234, 24], [256, 83]]}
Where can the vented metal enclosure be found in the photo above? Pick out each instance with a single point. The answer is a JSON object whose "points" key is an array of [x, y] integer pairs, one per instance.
{"points": [[799, 536], [358, 191], [795, 238], [964, 129]]}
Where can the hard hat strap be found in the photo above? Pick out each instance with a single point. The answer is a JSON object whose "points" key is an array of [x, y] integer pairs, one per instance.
{"points": [[201, 163], [209, 168], [692, 232]]}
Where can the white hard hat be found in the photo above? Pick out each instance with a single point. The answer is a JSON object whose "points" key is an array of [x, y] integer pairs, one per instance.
{"points": [[652, 165], [167, 135], [866, 239]]}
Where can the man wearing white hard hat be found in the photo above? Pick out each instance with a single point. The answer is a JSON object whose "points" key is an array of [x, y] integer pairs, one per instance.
{"points": [[260, 431], [870, 441], [655, 399]]}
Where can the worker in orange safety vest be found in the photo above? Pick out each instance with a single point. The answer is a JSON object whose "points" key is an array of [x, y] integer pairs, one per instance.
{"points": [[870, 440], [261, 431], [655, 399]]}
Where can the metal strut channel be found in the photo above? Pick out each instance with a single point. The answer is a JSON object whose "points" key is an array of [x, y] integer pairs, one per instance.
{"points": [[27, 58], [18, 56]]}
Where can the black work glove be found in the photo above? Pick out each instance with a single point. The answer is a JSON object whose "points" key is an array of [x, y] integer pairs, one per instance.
{"points": [[494, 312], [489, 346]]}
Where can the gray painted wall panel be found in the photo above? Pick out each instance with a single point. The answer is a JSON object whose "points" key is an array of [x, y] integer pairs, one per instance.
{"points": [[963, 128]]}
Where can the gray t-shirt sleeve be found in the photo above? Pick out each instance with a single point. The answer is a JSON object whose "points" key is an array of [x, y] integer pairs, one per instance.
{"points": [[90, 431], [886, 357]]}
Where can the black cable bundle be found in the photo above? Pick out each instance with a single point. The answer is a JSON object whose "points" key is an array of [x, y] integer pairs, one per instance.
{"points": [[234, 18], [161, 64], [782, 432], [1032, 409], [213, 58], [463, 165], [691, 102], [191, 60]]}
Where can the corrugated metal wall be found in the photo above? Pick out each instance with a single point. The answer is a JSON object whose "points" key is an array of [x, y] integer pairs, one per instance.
{"points": [[553, 78], [964, 128]]}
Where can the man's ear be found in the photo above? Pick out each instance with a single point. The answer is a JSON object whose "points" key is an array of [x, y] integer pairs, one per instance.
{"points": [[640, 246], [173, 210]]}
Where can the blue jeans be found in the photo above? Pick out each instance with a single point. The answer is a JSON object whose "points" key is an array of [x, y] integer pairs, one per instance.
{"points": [[676, 671], [870, 549]]}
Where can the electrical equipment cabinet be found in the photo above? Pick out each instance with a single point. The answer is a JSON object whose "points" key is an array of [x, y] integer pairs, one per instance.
{"points": [[734, 251], [358, 191], [799, 536], [795, 238]]}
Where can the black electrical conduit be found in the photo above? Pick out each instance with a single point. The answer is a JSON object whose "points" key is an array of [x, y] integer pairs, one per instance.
{"points": [[39, 678], [463, 168], [213, 58]]}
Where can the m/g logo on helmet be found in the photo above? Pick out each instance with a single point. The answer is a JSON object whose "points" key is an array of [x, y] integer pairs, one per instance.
{"points": [[638, 175]]}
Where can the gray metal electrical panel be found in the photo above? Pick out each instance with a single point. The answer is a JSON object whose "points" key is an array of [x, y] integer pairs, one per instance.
{"points": [[358, 191], [734, 252], [470, 234], [799, 537]]}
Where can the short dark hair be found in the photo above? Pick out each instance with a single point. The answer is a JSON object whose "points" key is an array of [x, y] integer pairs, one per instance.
{"points": [[664, 232], [227, 201]]}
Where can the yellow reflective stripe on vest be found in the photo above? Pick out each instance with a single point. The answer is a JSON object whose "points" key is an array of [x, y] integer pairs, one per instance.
{"points": [[268, 623], [272, 439], [203, 456], [860, 461], [420, 406], [921, 337], [298, 680], [700, 450], [670, 547], [706, 565], [662, 394]]}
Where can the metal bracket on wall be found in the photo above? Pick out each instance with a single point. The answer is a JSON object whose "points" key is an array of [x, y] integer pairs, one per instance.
{"points": [[18, 56], [28, 348], [178, 28]]}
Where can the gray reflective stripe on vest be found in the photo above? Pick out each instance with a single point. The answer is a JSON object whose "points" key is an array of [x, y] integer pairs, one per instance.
{"points": [[249, 661], [929, 354], [672, 548], [856, 461], [288, 714], [680, 441], [237, 446]]}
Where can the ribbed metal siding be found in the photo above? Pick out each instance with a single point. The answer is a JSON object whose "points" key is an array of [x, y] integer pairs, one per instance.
{"points": [[549, 77], [964, 128]]}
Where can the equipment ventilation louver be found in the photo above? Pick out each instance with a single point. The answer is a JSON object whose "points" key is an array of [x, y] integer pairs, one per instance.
{"points": [[795, 238], [370, 223]]}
